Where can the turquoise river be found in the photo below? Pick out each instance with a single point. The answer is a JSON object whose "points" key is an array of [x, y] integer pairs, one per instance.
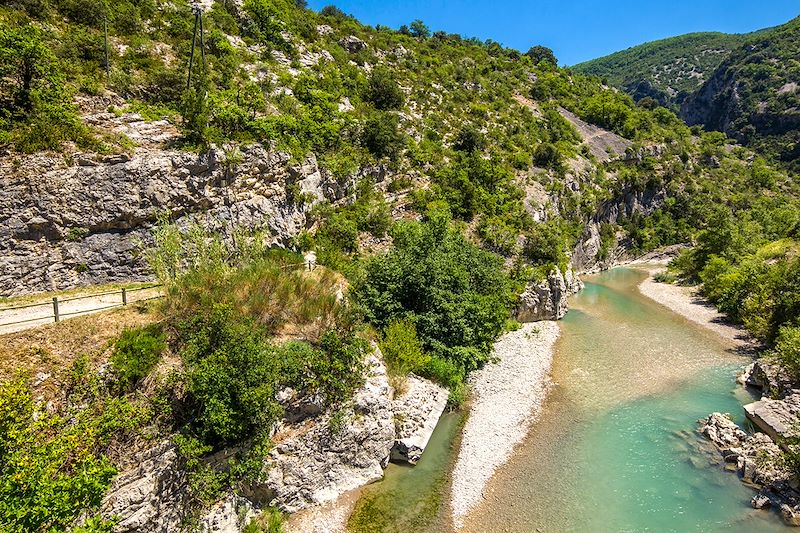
{"points": [[616, 447]]}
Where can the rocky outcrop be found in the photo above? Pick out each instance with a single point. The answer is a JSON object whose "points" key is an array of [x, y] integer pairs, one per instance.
{"points": [[770, 378], [416, 413], [759, 463], [547, 300], [317, 461], [151, 496], [776, 418], [589, 253], [314, 461], [64, 226], [353, 44]]}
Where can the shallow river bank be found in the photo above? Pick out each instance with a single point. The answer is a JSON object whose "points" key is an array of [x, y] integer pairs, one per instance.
{"points": [[615, 447]]}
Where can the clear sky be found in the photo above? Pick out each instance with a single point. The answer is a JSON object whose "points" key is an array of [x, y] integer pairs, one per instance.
{"points": [[576, 30]]}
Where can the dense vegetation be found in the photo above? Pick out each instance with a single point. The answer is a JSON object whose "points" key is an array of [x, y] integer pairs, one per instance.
{"points": [[667, 70], [488, 186], [743, 85], [763, 75]]}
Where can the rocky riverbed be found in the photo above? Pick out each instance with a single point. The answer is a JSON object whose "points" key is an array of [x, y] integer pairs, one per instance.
{"points": [[507, 398]]}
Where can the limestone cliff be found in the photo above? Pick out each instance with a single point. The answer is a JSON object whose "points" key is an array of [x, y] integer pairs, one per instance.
{"points": [[68, 225]]}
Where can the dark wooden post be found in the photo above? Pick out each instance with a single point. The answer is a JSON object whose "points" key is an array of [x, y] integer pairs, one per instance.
{"points": [[55, 308], [124, 296]]}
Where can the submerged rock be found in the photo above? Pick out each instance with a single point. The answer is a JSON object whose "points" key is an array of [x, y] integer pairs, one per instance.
{"points": [[416, 413], [759, 463]]}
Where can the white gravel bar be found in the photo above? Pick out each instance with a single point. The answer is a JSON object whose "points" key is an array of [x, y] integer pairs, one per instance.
{"points": [[507, 397]]}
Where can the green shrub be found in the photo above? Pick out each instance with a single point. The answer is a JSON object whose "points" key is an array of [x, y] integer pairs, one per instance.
{"points": [[231, 377], [402, 349], [51, 464], [136, 353], [342, 232], [382, 135], [382, 90], [787, 348]]}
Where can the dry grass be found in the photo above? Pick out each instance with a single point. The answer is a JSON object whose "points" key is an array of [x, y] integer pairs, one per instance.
{"points": [[53, 348]]}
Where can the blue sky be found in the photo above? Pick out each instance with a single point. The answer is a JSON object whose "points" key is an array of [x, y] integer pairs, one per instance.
{"points": [[576, 30]]}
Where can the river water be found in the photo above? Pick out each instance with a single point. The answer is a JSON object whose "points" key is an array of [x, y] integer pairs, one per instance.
{"points": [[616, 448]]}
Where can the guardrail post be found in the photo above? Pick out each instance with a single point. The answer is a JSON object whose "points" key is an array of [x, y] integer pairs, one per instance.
{"points": [[124, 297], [55, 308]]}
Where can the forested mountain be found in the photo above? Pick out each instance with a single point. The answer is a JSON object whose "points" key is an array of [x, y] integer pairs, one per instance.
{"points": [[744, 85], [435, 178], [754, 95], [667, 70]]}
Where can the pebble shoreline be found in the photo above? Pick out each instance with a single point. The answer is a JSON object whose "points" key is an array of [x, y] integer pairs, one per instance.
{"points": [[507, 397]]}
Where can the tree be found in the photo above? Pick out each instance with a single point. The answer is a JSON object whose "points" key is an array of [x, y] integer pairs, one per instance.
{"points": [[382, 90], [540, 53], [382, 135], [27, 70], [419, 30], [455, 294], [469, 139]]}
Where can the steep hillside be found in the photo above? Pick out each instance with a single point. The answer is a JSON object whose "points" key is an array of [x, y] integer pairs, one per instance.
{"points": [[435, 178], [667, 70], [754, 95]]}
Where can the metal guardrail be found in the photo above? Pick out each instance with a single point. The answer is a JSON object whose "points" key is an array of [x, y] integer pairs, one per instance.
{"points": [[57, 315]]}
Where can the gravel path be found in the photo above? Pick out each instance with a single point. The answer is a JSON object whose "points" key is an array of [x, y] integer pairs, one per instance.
{"points": [[686, 302], [507, 398], [33, 314]]}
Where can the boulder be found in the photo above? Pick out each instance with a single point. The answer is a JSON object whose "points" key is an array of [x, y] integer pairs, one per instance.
{"points": [[352, 44], [770, 378], [760, 501], [776, 418], [546, 300], [416, 413]]}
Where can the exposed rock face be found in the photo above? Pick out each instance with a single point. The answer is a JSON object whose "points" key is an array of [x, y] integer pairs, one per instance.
{"points": [[758, 461], [603, 144], [586, 256], [353, 44], [66, 226], [150, 497], [229, 515], [416, 413], [313, 462], [772, 379], [776, 418], [337, 452], [547, 300]]}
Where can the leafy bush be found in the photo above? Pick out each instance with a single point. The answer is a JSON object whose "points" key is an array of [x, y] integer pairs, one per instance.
{"points": [[456, 295], [382, 135], [51, 464], [136, 352], [232, 377], [469, 139], [787, 348], [402, 349], [382, 90], [233, 374]]}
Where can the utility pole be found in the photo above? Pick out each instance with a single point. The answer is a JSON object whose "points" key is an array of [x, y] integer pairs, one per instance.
{"points": [[198, 24], [105, 40]]}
